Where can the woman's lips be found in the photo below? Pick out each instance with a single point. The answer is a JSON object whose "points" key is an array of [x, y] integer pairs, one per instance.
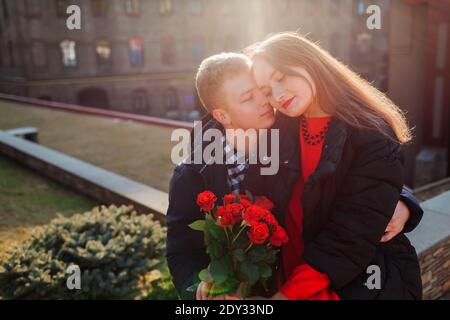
{"points": [[287, 103]]}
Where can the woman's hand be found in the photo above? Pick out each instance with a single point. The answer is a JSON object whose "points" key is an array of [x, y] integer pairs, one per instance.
{"points": [[397, 223]]}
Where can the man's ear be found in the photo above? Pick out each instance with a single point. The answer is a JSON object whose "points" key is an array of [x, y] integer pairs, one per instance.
{"points": [[221, 116]]}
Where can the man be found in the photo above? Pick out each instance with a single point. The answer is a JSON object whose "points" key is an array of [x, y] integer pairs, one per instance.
{"points": [[229, 93]]}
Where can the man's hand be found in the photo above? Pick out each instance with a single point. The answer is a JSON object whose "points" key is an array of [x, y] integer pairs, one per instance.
{"points": [[203, 293], [397, 223]]}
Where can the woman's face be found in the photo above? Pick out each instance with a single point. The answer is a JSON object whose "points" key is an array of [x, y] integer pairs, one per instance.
{"points": [[291, 95]]}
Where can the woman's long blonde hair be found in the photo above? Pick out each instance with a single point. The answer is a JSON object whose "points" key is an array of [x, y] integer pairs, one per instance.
{"points": [[339, 91]]}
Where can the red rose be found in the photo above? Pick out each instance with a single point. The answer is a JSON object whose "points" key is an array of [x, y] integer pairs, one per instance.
{"points": [[264, 202], [224, 216], [271, 220], [206, 200], [245, 202], [258, 233], [232, 198], [279, 237], [254, 214], [236, 211]]}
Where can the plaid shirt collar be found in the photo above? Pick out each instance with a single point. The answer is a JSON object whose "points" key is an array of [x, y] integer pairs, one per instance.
{"points": [[236, 163]]}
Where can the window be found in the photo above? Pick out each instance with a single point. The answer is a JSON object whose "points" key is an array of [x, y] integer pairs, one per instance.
{"points": [[98, 8], [196, 7], [132, 7], [61, 8], [168, 52], [39, 54], [140, 101], [136, 51], [171, 103], [103, 51], [197, 50], [165, 7], [33, 8], [68, 51]]}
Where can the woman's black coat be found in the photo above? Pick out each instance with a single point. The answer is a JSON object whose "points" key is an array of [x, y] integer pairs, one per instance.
{"points": [[347, 203]]}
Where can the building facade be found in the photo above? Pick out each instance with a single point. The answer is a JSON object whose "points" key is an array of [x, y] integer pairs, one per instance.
{"points": [[141, 56]]}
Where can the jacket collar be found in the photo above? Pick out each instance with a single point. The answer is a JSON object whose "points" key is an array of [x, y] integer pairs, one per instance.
{"points": [[207, 122], [213, 174], [290, 151], [332, 150]]}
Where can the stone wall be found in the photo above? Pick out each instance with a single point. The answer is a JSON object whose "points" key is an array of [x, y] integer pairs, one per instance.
{"points": [[432, 242], [435, 267]]}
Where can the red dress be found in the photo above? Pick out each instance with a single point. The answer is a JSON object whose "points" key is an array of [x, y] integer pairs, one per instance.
{"points": [[303, 281]]}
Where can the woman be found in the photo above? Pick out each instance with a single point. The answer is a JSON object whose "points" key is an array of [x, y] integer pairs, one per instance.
{"points": [[346, 137]]}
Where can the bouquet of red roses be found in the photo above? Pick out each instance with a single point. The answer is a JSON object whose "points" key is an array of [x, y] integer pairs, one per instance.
{"points": [[242, 240]]}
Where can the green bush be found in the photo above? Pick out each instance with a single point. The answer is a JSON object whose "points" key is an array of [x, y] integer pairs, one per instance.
{"points": [[114, 248], [162, 286]]}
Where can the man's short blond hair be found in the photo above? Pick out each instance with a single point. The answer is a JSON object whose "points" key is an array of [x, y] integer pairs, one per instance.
{"points": [[212, 74]]}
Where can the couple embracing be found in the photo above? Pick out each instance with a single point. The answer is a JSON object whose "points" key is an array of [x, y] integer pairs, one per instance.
{"points": [[338, 192]]}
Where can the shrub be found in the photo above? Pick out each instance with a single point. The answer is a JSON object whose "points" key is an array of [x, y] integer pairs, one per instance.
{"points": [[114, 248], [162, 286]]}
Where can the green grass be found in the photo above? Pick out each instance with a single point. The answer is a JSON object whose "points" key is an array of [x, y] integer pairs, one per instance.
{"points": [[28, 199], [140, 152]]}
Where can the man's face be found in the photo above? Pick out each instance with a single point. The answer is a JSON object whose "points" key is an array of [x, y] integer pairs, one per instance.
{"points": [[247, 107]]}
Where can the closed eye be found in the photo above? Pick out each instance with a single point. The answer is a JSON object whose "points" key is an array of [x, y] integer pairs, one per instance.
{"points": [[281, 77], [248, 98]]}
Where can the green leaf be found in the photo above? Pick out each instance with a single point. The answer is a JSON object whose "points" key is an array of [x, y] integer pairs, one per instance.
{"points": [[271, 256], [257, 253], [218, 271], [239, 254], [216, 232], [264, 270], [215, 250], [250, 271], [227, 261], [198, 225], [205, 275]]}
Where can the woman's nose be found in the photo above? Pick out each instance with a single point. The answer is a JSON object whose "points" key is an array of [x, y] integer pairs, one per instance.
{"points": [[277, 93]]}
